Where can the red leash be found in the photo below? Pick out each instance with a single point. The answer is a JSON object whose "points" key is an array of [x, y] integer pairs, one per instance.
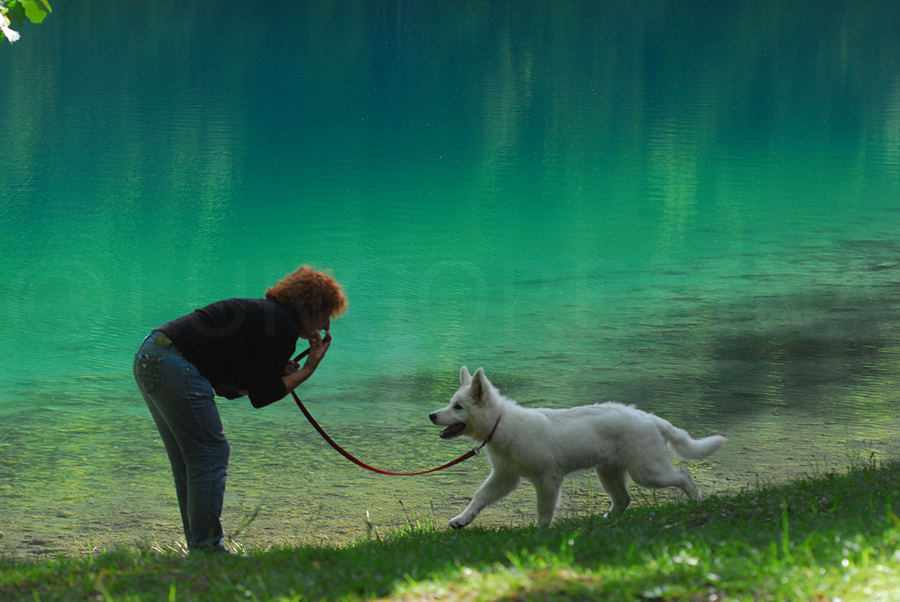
{"points": [[358, 462]]}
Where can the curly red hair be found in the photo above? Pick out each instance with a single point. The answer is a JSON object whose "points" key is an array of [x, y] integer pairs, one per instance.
{"points": [[305, 289]]}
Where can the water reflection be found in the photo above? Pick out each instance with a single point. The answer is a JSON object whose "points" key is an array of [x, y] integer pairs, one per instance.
{"points": [[690, 209]]}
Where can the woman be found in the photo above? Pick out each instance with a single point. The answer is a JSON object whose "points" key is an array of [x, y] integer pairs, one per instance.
{"points": [[231, 348]]}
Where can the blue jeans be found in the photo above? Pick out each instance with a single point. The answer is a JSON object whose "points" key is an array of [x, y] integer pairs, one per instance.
{"points": [[183, 406]]}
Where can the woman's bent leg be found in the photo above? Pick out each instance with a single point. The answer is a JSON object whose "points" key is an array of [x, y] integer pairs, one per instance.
{"points": [[183, 406], [179, 470]]}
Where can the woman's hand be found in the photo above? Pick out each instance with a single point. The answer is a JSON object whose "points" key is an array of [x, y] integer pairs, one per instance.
{"points": [[318, 347]]}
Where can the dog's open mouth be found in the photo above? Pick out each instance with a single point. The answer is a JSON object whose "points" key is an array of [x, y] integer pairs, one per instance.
{"points": [[454, 430]]}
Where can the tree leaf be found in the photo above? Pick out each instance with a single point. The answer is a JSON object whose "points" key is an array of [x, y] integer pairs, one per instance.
{"points": [[34, 10], [16, 12]]}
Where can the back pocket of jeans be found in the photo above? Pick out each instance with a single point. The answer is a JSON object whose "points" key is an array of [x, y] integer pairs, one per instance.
{"points": [[146, 371]]}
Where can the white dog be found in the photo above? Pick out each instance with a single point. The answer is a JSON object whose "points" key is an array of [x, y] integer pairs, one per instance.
{"points": [[544, 445]]}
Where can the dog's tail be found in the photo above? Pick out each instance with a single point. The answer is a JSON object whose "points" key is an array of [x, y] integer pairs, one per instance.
{"points": [[683, 446]]}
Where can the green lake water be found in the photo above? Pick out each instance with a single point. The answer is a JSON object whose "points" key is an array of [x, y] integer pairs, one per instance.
{"points": [[693, 207]]}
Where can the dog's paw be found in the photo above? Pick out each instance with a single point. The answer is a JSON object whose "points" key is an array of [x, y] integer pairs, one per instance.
{"points": [[458, 522]]}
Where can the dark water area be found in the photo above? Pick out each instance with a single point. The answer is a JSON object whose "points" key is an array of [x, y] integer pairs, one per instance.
{"points": [[693, 207]]}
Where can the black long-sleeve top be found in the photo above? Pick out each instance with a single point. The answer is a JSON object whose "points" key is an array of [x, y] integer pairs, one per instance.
{"points": [[239, 345]]}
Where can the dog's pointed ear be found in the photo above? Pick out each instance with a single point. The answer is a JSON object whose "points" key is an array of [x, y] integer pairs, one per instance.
{"points": [[464, 377], [479, 385]]}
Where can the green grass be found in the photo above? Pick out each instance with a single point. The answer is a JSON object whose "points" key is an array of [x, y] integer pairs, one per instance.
{"points": [[823, 538]]}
